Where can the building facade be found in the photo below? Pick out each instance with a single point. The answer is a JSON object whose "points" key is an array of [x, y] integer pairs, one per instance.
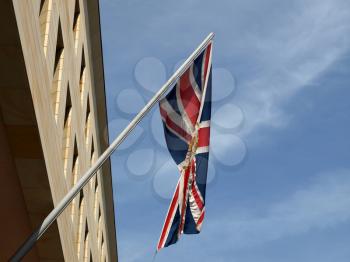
{"points": [[53, 126]]}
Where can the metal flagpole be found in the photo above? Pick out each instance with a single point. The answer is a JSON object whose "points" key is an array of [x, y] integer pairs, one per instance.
{"points": [[29, 243]]}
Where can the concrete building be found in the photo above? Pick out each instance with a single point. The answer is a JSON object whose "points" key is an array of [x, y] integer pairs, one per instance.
{"points": [[52, 127]]}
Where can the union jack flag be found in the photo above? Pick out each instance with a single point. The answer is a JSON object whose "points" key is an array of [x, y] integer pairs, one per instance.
{"points": [[186, 112]]}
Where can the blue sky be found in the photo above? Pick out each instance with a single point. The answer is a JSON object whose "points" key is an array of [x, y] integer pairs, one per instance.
{"points": [[279, 181]]}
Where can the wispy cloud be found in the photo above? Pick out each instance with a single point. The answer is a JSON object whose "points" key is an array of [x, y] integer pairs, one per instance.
{"points": [[298, 49], [325, 203]]}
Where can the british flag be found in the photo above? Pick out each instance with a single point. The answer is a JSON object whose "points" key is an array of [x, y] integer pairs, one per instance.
{"points": [[186, 112]]}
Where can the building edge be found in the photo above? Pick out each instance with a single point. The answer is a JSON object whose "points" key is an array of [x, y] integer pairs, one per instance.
{"points": [[96, 51]]}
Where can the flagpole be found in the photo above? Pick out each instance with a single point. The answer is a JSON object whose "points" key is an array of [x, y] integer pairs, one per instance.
{"points": [[30, 242]]}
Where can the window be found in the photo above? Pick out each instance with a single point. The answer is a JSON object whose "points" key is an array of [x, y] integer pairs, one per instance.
{"points": [[82, 85], [80, 226], [67, 132], [45, 10], [58, 71], [76, 24]]}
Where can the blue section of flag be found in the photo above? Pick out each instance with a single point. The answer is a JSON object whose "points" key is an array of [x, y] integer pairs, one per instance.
{"points": [[176, 147]]}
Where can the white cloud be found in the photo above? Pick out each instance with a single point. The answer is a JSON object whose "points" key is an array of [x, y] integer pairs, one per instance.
{"points": [[296, 50], [322, 204]]}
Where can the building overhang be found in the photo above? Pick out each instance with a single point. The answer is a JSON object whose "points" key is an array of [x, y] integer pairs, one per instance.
{"points": [[25, 195]]}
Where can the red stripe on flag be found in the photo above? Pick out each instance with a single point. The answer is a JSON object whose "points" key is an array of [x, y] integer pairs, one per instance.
{"points": [[170, 214], [194, 189], [184, 199], [189, 99], [196, 197], [203, 136], [174, 126], [200, 220]]}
